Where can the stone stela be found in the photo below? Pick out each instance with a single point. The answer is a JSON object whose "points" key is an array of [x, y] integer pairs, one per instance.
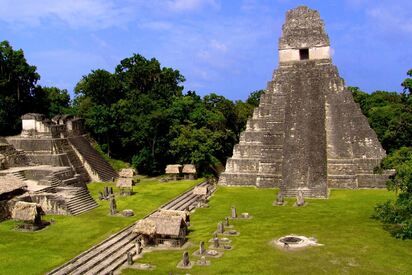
{"points": [[307, 134]]}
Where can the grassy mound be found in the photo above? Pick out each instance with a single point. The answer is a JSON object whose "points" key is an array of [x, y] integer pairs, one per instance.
{"points": [[39, 252], [353, 242]]}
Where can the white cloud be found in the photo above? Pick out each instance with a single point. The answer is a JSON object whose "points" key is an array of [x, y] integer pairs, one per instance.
{"points": [[392, 18], [156, 25], [191, 5], [219, 46], [75, 13], [97, 14]]}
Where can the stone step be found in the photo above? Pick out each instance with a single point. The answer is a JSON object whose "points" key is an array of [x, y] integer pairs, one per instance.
{"points": [[114, 261], [83, 210], [180, 202], [73, 204], [84, 258], [103, 169]]}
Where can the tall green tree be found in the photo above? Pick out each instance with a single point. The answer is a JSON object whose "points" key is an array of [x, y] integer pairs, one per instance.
{"points": [[390, 115], [51, 101], [17, 85], [407, 83]]}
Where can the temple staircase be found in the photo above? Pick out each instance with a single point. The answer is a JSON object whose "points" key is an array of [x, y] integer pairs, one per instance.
{"points": [[98, 164], [80, 202]]}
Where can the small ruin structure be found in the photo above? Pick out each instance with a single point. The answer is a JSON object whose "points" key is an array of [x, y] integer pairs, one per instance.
{"points": [[10, 188], [174, 171], [29, 213], [189, 172], [308, 133], [167, 228], [125, 185]]}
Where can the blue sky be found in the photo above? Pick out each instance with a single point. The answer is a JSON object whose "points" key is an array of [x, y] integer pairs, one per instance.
{"points": [[227, 46]]}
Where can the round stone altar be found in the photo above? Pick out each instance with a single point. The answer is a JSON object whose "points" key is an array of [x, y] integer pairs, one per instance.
{"points": [[293, 241]]}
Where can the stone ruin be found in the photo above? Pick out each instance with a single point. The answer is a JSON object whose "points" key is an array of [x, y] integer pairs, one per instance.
{"points": [[126, 181], [307, 134], [49, 163]]}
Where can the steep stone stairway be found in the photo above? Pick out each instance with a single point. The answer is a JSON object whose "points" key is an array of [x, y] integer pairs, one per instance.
{"points": [[110, 254], [63, 146], [80, 202], [19, 175], [103, 169]]}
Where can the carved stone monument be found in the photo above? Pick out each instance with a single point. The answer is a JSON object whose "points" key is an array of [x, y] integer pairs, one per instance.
{"points": [[300, 201], [220, 228], [280, 199], [112, 202], [307, 133], [129, 258], [233, 213], [138, 246], [202, 248], [185, 260], [216, 243]]}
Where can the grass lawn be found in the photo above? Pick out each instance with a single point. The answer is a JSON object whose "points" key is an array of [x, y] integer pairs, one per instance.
{"points": [[39, 252], [353, 242]]}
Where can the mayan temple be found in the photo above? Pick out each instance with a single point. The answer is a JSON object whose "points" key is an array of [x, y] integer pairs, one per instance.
{"points": [[307, 134]]}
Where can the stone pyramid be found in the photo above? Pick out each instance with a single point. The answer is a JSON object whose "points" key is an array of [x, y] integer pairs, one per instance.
{"points": [[307, 134]]}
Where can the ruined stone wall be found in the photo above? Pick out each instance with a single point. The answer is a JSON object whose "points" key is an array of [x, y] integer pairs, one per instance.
{"points": [[12, 157], [51, 204]]}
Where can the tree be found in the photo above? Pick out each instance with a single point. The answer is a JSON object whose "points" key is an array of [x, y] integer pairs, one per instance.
{"points": [[407, 83], [254, 98], [396, 113], [51, 101], [397, 215], [196, 146], [127, 111], [102, 87], [17, 84]]}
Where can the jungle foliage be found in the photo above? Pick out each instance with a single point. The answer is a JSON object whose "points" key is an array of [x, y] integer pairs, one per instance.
{"points": [[139, 114], [390, 115]]}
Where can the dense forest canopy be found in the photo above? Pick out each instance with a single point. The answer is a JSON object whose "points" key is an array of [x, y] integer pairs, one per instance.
{"points": [[140, 114]]}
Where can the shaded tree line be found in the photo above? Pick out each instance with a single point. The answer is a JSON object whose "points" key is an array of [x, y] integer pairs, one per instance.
{"points": [[390, 115]]}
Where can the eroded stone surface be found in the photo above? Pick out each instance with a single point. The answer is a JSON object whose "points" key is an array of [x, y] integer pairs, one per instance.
{"points": [[307, 134]]}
